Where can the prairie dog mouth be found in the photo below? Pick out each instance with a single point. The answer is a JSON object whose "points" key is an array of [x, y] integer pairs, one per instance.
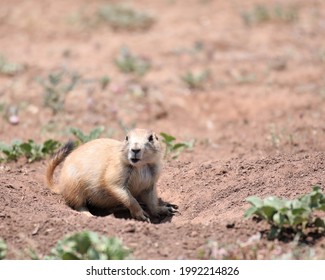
{"points": [[134, 160]]}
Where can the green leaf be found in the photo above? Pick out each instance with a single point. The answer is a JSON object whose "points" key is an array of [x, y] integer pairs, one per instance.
{"points": [[167, 138], [49, 146], [178, 146], [300, 211], [4, 147], [93, 254], [279, 219], [316, 188], [32, 254], [320, 223], [173, 150], [255, 201], [69, 256], [26, 147], [274, 202], [267, 212], [83, 243], [274, 233], [250, 211], [96, 132], [298, 220], [83, 138], [3, 249]]}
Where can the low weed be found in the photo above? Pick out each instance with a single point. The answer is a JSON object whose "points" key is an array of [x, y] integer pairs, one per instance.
{"points": [[121, 17], [104, 82], [130, 63], [10, 152], [197, 80], [289, 216], [3, 249], [174, 149], [9, 68], [88, 245], [261, 14], [83, 137], [56, 86], [280, 136], [31, 150]]}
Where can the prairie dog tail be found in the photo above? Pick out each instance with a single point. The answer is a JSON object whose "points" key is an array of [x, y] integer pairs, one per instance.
{"points": [[56, 159]]}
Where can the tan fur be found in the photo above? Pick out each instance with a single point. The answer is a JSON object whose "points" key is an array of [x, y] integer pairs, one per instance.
{"points": [[57, 158], [106, 173]]}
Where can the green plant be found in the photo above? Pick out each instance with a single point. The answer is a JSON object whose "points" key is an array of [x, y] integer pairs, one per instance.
{"points": [[31, 150], [3, 249], [261, 13], [56, 86], [9, 68], [124, 18], [289, 215], [281, 136], [104, 82], [10, 152], [130, 63], [173, 149], [274, 136], [88, 245], [195, 80], [83, 138]]}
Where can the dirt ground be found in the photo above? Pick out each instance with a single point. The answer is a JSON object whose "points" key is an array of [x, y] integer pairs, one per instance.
{"points": [[258, 121]]}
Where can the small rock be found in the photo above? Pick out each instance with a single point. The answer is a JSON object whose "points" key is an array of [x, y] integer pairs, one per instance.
{"points": [[33, 109], [14, 120], [230, 225], [35, 231]]}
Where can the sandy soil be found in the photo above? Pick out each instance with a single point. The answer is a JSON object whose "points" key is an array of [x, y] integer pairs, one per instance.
{"points": [[258, 121]]}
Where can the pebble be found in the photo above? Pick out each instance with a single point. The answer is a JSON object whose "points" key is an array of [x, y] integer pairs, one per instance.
{"points": [[14, 119]]}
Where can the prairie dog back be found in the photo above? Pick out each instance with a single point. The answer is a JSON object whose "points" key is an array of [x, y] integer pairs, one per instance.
{"points": [[106, 173]]}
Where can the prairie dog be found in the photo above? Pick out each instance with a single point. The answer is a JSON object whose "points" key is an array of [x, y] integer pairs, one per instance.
{"points": [[106, 173]]}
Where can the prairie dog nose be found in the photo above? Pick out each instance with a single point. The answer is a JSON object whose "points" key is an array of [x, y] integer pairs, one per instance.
{"points": [[135, 151]]}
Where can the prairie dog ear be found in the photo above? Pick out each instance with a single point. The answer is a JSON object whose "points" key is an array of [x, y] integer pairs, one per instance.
{"points": [[155, 136]]}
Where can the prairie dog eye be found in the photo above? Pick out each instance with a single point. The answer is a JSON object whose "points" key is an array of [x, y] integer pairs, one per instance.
{"points": [[126, 138], [150, 138]]}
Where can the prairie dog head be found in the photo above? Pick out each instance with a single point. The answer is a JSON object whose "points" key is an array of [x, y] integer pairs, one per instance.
{"points": [[142, 147]]}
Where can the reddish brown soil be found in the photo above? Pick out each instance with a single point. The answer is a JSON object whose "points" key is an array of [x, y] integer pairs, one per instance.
{"points": [[254, 136]]}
